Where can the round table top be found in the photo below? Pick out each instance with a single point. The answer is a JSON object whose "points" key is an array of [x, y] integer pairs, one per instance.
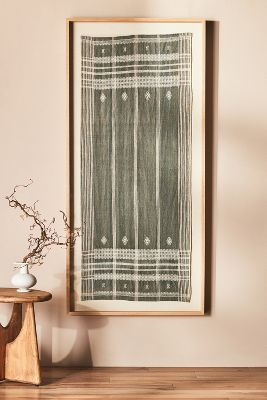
{"points": [[10, 295]]}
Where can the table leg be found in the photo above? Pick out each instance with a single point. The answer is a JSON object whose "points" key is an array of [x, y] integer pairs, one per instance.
{"points": [[8, 334], [22, 357]]}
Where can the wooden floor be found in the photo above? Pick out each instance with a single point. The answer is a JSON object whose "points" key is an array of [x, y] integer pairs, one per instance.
{"points": [[143, 383]]}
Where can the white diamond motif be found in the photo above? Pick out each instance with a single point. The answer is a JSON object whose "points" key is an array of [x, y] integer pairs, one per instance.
{"points": [[124, 240], [169, 241], [169, 95], [147, 95], [104, 240], [124, 96], [102, 97], [147, 241], [125, 49]]}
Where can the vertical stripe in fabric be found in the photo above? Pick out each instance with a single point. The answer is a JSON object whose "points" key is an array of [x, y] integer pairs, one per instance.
{"points": [[114, 244], [91, 209], [135, 180], [158, 128]]}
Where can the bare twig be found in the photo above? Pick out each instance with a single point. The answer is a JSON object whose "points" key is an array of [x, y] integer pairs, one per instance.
{"points": [[39, 244]]}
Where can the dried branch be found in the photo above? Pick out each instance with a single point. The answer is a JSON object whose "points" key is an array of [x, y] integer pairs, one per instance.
{"points": [[43, 234]]}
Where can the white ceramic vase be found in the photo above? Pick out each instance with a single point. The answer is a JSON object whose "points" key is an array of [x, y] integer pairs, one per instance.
{"points": [[23, 280]]}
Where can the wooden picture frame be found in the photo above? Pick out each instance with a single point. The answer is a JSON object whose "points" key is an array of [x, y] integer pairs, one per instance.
{"points": [[119, 27]]}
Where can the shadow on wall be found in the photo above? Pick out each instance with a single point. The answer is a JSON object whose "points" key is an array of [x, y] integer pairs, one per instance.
{"points": [[211, 99], [55, 310]]}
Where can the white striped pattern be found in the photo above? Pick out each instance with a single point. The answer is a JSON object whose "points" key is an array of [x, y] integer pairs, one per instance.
{"points": [[115, 141], [119, 41]]}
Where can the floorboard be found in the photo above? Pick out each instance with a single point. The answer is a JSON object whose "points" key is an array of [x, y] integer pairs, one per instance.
{"points": [[142, 383]]}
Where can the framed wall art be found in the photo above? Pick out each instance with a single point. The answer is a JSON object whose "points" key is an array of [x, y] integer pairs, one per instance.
{"points": [[136, 102]]}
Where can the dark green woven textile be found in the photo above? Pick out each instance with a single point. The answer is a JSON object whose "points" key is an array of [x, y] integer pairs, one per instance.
{"points": [[136, 167]]}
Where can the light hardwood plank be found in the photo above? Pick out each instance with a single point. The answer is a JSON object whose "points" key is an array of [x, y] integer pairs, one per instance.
{"points": [[143, 383]]}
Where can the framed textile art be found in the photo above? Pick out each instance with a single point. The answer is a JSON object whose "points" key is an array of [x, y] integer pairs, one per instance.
{"points": [[136, 90]]}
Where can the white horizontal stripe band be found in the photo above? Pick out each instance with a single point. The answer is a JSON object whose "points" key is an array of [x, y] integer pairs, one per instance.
{"points": [[140, 294], [135, 57], [131, 254], [133, 263], [136, 72], [133, 82], [110, 42], [140, 278], [148, 251], [176, 271], [137, 66]]}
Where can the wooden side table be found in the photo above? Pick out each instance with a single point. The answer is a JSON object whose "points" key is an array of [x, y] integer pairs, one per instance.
{"points": [[19, 357]]}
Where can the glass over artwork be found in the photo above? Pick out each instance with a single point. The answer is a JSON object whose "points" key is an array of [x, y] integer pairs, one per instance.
{"points": [[136, 129]]}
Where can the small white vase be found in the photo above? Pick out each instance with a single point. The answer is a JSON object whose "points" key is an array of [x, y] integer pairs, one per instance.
{"points": [[22, 280]]}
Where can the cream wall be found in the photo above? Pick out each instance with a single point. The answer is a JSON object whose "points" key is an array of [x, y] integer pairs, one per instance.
{"points": [[32, 121]]}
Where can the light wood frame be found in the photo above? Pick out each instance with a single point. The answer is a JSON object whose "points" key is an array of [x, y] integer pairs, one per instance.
{"points": [[70, 132]]}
